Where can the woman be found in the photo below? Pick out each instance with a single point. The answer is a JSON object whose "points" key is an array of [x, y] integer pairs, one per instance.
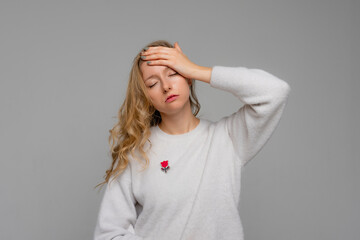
{"points": [[176, 176]]}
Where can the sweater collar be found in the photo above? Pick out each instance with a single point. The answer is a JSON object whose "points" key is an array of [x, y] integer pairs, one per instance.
{"points": [[166, 136]]}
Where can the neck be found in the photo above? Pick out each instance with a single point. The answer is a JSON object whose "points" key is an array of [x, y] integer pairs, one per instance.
{"points": [[179, 123]]}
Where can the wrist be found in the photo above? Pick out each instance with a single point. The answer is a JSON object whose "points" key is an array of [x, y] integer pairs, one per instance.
{"points": [[203, 74]]}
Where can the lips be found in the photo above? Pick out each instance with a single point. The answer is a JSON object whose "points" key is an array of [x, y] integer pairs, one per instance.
{"points": [[170, 97]]}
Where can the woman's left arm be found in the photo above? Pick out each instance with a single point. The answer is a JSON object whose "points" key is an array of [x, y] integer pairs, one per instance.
{"points": [[264, 97]]}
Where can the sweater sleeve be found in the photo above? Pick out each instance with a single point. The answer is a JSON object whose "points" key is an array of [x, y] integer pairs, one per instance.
{"points": [[117, 210], [264, 97]]}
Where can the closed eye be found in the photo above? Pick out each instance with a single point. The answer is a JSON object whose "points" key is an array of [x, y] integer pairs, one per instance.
{"points": [[170, 76]]}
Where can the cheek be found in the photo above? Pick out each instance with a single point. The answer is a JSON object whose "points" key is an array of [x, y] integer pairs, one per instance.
{"points": [[186, 88], [153, 96]]}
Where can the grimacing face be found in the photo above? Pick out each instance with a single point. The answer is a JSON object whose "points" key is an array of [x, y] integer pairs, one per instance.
{"points": [[162, 82]]}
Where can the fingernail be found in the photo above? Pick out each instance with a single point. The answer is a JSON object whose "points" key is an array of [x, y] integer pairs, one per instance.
{"points": [[143, 57], [146, 48], [148, 62]]}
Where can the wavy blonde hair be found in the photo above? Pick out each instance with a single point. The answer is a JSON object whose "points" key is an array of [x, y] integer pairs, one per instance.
{"points": [[135, 117]]}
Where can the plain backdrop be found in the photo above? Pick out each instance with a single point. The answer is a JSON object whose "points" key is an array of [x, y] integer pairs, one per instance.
{"points": [[64, 72]]}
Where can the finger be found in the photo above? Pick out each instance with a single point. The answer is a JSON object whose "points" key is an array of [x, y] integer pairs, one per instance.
{"points": [[176, 45], [155, 50], [155, 56], [151, 52], [157, 62]]}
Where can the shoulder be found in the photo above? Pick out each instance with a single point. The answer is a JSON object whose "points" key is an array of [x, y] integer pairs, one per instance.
{"points": [[215, 126]]}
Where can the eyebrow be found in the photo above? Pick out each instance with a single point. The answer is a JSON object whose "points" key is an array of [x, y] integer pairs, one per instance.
{"points": [[154, 75]]}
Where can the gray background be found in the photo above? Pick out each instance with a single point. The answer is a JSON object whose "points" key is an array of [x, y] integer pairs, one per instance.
{"points": [[64, 71]]}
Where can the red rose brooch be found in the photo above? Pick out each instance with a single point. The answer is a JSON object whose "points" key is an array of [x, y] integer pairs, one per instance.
{"points": [[165, 166]]}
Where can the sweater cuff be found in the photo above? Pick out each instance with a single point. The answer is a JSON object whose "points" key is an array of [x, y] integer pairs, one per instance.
{"points": [[225, 78]]}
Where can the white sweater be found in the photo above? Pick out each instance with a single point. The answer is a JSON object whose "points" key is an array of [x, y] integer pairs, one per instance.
{"points": [[198, 197]]}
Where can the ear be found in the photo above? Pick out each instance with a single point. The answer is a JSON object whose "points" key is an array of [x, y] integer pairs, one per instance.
{"points": [[189, 81]]}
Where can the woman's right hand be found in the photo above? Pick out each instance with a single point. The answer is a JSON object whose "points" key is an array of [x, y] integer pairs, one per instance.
{"points": [[175, 59]]}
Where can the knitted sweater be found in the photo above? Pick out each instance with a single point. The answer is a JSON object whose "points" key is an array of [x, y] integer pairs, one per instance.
{"points": [[198, 196]]}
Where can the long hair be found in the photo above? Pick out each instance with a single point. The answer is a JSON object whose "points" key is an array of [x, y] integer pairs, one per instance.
{"points": [[135, 117]]}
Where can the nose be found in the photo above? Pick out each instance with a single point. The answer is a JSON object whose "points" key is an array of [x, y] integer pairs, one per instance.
{"points": [[166, 86]]}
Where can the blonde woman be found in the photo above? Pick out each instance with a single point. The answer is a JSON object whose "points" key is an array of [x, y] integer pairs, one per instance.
{"points": [[174, 175]]}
